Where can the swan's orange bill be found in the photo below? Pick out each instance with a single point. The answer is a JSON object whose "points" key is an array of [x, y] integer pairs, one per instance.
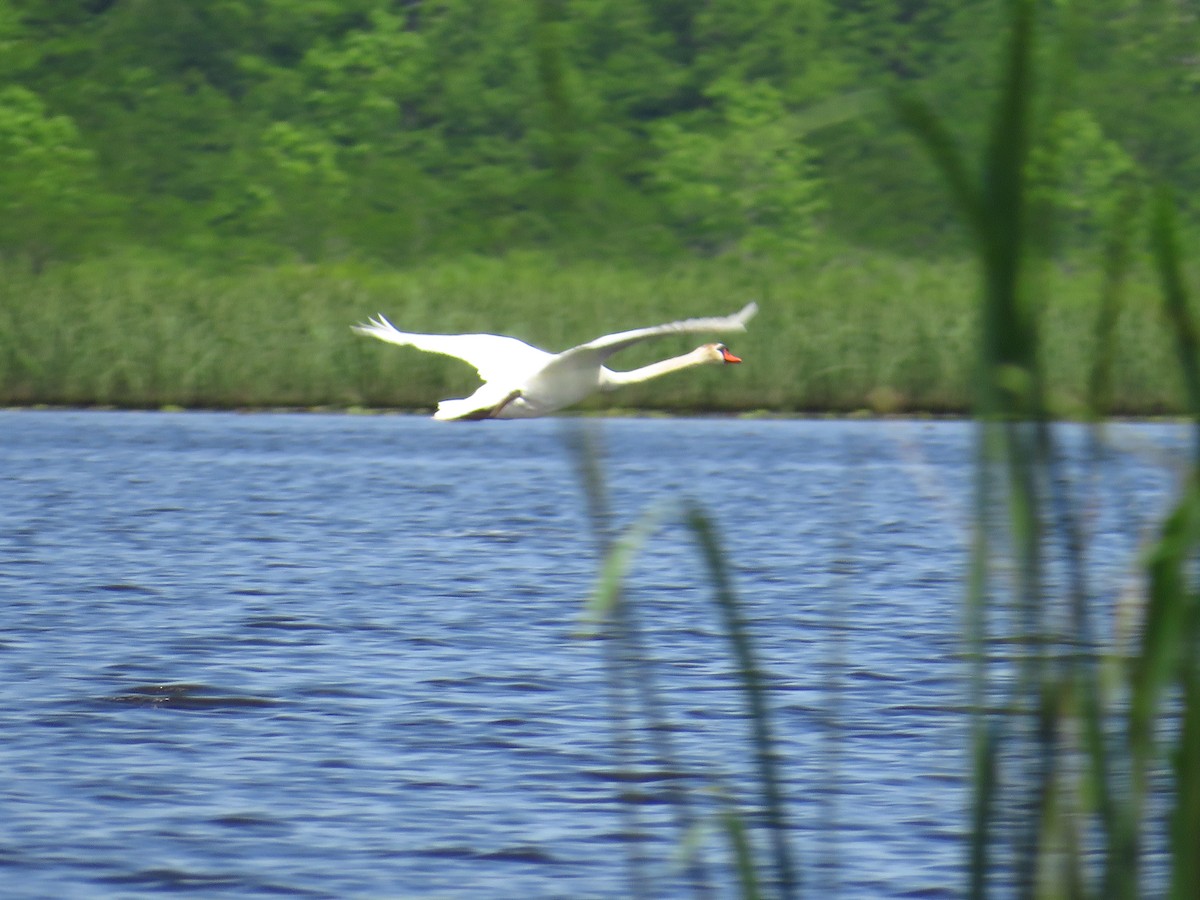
{"points": [[729, 357]]}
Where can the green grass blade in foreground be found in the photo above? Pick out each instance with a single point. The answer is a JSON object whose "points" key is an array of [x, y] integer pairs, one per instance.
{"points": [[983, 783], [1009, 340], [743, 855], [755, 691], [621, 554], [608, 604], [983, 762], [1013, 463], [629, 666], [1165, 647], [1172, 630], [1185, 820], [620, 663], [994, 213], [1165, 245]]}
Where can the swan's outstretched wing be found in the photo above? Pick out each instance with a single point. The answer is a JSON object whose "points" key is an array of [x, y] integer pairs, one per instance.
{"points": [[494, 357], [611, 343]]}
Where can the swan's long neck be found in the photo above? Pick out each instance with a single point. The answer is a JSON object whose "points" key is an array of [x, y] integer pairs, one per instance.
{"points": [[698, 357]]}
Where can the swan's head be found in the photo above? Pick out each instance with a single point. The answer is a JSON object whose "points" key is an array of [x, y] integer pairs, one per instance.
{"points": [[718, 353]]}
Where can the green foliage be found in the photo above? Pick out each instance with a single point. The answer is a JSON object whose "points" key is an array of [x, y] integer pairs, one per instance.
{"points": [[738, 177], [1081, 175], [611, 128], [302, 188], [49, 192]]}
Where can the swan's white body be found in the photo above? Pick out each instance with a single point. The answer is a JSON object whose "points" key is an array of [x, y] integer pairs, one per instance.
{"points": [[521, 382]]}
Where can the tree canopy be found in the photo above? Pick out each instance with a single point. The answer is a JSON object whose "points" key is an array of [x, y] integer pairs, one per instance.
{"points": [[389, 129]]}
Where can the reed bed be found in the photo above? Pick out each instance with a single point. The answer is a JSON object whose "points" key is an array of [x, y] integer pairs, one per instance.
{"points": [[851, 331], [1078, 741], [1084, 747]]}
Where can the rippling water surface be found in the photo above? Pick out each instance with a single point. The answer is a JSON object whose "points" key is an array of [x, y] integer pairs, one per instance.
{"points": [[335, 656]]}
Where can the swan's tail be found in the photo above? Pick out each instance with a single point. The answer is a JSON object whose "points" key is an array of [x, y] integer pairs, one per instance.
{"points": [[461, 409], [486, 403]]}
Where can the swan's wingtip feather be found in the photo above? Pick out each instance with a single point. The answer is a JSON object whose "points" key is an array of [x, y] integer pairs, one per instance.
{"points": [[375, 326]]}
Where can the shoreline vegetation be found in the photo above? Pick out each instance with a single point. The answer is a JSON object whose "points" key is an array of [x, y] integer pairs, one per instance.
{"points": [[850, 333]]}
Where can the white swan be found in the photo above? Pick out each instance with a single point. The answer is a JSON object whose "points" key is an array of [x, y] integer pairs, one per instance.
{"points": [[520, 381]]}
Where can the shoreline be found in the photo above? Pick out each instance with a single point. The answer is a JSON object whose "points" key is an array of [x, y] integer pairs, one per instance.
{"points": [[615, 413]]}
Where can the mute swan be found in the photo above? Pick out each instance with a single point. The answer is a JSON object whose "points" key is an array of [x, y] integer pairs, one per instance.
{"points": [[521, 382]]}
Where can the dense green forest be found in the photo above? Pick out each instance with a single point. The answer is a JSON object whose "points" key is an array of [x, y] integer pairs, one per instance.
{"points": [[390, 130]]}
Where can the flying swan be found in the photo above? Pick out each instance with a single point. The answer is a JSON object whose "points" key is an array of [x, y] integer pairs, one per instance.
{"points": [[521, 382]]}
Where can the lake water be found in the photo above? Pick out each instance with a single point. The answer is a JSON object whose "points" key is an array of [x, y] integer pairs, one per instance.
{"points": [[341, 656]]}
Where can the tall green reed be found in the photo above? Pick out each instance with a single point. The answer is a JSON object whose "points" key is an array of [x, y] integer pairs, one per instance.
{"points": [[760, 871], [1170, 652], [1060, 796]]}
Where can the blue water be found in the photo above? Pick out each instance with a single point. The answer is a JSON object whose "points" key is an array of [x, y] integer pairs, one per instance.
{"points": [[341, 656]]}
